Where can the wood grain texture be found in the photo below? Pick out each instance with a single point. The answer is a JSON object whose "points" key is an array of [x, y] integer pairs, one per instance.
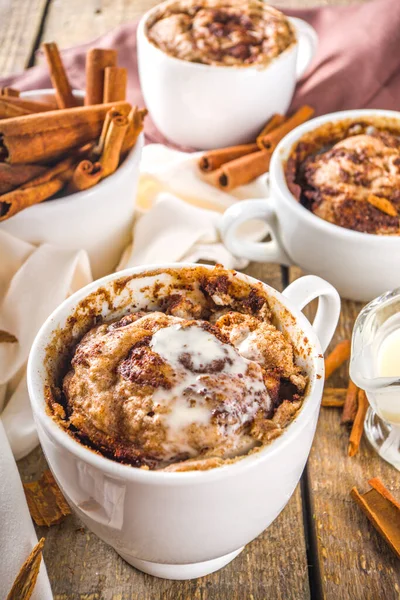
{"points": [[19, 26], [354, 561], [96, 17]]}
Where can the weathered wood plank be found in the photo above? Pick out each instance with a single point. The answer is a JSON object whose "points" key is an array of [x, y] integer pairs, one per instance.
{"points": [[73, 22], [19, 27], [354, 562]]}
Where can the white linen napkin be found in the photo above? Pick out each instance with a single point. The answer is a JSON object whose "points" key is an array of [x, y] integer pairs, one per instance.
{"points": [[17, 534], [177, 219]]}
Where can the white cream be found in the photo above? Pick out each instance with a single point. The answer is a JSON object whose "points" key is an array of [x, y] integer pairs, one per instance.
{"points": [[388, 364], [389, 355], [187, 399]]}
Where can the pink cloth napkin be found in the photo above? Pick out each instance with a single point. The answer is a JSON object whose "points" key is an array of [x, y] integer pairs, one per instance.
{"points": [[357, 63]]}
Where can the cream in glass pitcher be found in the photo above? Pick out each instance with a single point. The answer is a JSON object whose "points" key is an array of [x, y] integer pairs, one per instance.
{"points": [[375, 368]]}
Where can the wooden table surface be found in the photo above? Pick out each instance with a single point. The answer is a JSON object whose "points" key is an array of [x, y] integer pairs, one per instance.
{"points": [[321, 545]]}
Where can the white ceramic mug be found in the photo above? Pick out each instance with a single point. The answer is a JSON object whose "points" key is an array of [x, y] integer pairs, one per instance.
{"points": [[211, 106], [188, 524], [361, 266], [98, 220]]}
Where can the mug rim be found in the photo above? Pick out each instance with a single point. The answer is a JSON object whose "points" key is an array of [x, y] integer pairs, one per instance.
{"points": [[277, 174], [141, 34], [62, 438], [130, 158]]}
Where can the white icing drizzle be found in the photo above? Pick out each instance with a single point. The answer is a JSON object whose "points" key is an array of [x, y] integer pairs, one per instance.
{"points": [[187, 399]]}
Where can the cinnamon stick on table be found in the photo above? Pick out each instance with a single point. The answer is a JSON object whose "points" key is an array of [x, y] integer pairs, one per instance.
{"points": [[243, 170], [350, 405], [383, 510], [115, 81], [85, 176], [26, 579], [333, 397], [240, 171], [46, 503], [114, 139], [58, 76], [97, 60], [358, 425], [271, 139], [213, 159], [43, 136], [337, 357], [275, 121]]}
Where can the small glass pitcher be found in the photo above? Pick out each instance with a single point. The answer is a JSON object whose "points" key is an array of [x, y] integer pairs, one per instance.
{"points": [[376, 321]]}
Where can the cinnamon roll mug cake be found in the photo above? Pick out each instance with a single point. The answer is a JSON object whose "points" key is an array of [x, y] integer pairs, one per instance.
{"points": [[220, 33], [335, 210], [173, 402], [198, 57], [206, 378]]}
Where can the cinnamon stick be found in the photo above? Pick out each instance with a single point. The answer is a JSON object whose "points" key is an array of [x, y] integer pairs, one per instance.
{"points": [[9, 91], [358, 425], [271, 140], [44, 136], [31, 106], [136, 122], [26, 579], [115, 81], [275, 121], [243, 170], [113, 144], [58, 76], [211, 160], [239, 171], [98, 149], [85, 176], [337, 357], [382, 510], [50, 173], [15, 201], [350, 405], [9, 111], [45, 501], [12, 176], [333, 397], [97, 60]]}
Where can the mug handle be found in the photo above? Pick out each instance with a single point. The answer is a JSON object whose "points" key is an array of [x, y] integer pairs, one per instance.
{"points": [[302, 291], [246, 210], [307, 45]]}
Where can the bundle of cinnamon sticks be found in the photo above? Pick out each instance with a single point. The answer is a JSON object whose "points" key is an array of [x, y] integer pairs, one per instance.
{"points": [[56, 146], [227, 168]]}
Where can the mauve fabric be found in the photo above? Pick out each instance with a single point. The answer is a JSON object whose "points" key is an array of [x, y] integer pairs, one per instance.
{"points": [[357, 63]]}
